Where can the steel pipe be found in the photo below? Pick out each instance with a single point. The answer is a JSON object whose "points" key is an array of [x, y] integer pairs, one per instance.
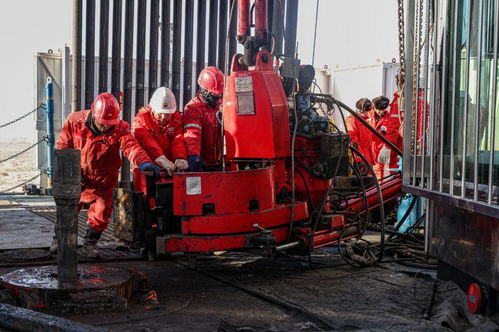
{"points": [[67, 191], [153, 48], [89, 54], [116, 50], [177, 40], [140, 56], [103, 44], [165, 43]]}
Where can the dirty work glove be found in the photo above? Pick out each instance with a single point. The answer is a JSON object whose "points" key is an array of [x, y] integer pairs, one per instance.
{"points": [[166, 164], [384, 155], [181, 164], [196, 163], [150, 168]]}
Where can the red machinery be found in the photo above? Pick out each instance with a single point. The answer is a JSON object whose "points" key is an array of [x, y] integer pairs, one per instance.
{"points": [[269, 196]]}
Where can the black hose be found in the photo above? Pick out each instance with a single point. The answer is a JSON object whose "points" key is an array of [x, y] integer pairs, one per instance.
{"points": [[380, 201]]}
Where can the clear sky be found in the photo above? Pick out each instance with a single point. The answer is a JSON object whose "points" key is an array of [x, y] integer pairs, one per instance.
{"points": [[350, 33]]}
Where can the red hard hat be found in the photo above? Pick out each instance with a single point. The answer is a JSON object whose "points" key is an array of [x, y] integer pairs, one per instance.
{"points": [[106, 109], [212, 79]]}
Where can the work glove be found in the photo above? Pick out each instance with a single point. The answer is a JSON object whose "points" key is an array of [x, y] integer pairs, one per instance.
{"points": [[181, 164], [150, 168], [166, 164], [196, 163], [384, 155]]}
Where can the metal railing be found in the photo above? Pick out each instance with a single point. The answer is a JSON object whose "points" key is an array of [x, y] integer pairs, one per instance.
{"points": [[450, 116]]}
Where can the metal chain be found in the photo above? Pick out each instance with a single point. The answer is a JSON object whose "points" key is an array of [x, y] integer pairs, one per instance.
{"points": [[21, 184], [401, 37], [44, 139], [415, 71], [41, 106]]}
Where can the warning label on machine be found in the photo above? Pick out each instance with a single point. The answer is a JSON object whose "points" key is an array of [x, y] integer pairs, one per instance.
{"points": [[244, 84]]}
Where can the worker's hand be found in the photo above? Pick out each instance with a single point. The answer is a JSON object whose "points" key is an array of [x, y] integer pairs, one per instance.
{"points": [[196, 163], [150, 167], [166, 164], [181, 164], [384, 155]]}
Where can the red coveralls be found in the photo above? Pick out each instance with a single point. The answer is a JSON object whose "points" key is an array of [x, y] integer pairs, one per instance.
{"points": [[202, 131], [394, 130], [360, 135], [100, 163], [381, 125], [395, 126], [159, 139]]}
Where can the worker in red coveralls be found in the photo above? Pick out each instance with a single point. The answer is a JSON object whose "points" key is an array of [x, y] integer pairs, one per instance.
{"points": [[100, 135], [202, 122], [360, 135], [394, 128], [159, 129], [380, 119]]}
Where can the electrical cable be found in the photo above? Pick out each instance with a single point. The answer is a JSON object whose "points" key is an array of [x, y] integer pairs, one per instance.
{"points": [[293, 141], [380, 202]]}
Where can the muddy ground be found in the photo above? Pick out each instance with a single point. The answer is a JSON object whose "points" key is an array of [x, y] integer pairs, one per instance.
{"points": [[242, 292]]}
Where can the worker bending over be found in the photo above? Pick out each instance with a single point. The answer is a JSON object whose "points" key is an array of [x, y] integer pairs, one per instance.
{"points": [[380, 119], [100, 134], [360, 135], [158, 127], [202, 122]]}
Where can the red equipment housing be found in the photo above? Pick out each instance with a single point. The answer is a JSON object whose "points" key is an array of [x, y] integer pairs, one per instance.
{"points": [[251, 205]]}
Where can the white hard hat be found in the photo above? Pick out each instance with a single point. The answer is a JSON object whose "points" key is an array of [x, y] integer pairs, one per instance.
{"points": [[163, 101]]}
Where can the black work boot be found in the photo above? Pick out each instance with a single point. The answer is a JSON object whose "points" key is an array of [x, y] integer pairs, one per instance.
{"points": [[90, 243]]}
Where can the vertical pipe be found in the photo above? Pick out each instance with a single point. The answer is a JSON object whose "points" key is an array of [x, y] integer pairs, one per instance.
{"points": [[278, 25], [222, 34], [425, 96], [201, 36], [50, 130], [67, 191], [177, 36], [76, 58], [427, 230], [261, 20], [415, 103], [270, 17], [494, 105], [127, 82], [466, 101], [433, 95], [477, 111], [140, 56], [454, 94], [315, 31], [89, 54], [291, 26], [409, 49], [188, 48], [443, 102], [232, 29], [243, 18], [116, 56], [212, 34], [165, 43], [153, 48], [103, 44]]}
